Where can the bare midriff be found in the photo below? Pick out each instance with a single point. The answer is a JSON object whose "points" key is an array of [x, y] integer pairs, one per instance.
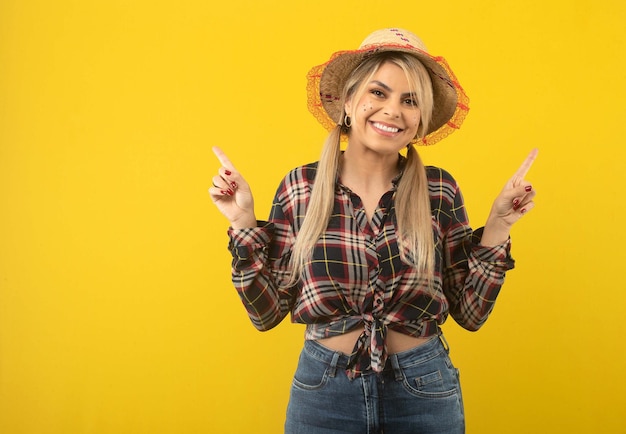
{"points": [[396, 342]]}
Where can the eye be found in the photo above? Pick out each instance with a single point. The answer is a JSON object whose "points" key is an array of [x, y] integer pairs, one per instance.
{"points": [[410, 101], [377, 92]]}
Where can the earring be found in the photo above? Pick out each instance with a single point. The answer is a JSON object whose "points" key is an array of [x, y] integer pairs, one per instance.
{"points": [[347, 121]]}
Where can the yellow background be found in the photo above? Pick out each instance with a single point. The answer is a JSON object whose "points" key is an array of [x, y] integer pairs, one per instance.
{"points": [[116, 310]]}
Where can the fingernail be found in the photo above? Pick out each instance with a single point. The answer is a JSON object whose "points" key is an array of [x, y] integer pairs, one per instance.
{"points": [[227, 172], [528, 188], [233, 184], [515, 203], [223, 192], [523, 211], [230, 192]]}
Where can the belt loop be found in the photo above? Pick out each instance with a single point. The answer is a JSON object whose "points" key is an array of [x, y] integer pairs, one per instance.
{"points": [[444, 342], [332, 370], [397, 371]]}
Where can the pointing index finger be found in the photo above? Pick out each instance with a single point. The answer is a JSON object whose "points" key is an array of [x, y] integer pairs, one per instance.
{"points": [[526, 165], [223, 158]]}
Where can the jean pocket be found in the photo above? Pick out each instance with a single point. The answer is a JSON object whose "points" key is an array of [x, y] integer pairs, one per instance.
{"points": [[311, 374], [435, 379]]}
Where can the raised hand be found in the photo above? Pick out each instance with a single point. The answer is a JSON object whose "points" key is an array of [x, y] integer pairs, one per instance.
{"points": [[231, 194], [515, 200]]}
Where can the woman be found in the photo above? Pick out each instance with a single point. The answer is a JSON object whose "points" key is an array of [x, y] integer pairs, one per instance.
{"points": [[371, 249]]}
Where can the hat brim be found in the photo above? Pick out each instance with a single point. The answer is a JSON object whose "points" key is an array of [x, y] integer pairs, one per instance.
{"points": [[326, 81]]}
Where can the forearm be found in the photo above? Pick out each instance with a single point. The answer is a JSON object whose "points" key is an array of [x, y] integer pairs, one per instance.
{"points": [[258, 273], [265, 304], [473, 276]]}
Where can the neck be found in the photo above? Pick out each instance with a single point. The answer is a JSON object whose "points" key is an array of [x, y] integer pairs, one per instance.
{"points": [[368, 170]]}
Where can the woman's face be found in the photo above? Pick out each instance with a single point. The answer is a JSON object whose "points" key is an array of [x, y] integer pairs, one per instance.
{"points": [[386, 117]]}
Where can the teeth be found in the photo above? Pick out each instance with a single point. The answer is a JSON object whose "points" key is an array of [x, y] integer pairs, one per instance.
{"points": [[386, 128]]}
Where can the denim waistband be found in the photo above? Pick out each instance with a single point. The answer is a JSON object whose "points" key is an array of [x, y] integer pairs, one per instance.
{"points": [[335, 359], [414, 356]]}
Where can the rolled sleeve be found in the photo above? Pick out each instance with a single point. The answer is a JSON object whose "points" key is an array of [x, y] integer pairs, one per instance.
{"points": [[248, 243], [498, 256]]}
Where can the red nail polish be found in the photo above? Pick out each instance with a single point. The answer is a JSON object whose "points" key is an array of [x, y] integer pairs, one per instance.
{"points": [[233, 185], [528, 188], [523, 211], [230, 192], [223, 192], [227, 172], [515, 203]]}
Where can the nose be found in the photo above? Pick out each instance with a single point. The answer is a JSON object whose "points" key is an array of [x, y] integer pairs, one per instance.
{"points": [[392, 109]]}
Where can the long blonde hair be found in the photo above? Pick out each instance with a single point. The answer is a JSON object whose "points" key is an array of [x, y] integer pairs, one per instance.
{"points": [[412, 201]]}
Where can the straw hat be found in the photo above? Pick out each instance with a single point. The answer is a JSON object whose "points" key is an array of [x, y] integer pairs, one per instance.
{"points": [[325, 83]]}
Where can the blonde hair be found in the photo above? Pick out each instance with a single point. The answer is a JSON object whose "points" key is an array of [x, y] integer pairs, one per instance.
{"points": [[412, 201]]}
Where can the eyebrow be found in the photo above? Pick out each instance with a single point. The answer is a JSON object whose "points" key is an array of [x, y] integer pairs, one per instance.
{"points": [[388, 89]]}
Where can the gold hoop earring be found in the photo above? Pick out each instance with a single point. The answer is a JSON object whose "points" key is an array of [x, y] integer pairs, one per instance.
{"points": [[347, 122]]}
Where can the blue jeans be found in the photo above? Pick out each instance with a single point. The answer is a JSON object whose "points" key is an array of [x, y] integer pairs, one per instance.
{"points": [[418, 392]]}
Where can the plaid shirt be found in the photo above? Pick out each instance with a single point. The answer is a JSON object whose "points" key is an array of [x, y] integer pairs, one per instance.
{"points": [[356, 277]]}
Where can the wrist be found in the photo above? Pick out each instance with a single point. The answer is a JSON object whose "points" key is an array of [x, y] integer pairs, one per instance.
{"points": [[244, 222], [496, 232]]}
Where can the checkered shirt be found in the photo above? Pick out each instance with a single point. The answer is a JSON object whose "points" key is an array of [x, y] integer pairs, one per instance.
{"points": [[356, 277]]}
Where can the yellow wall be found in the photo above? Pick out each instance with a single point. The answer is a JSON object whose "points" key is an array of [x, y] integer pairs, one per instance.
{"points": [[116, 310]]}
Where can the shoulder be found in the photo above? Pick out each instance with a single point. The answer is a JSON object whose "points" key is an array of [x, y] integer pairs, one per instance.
{"points": [[301, 175], [441, 184], [298, 181], [439, 176], [437, 173]]}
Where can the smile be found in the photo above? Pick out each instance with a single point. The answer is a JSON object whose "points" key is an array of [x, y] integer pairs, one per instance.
{"points": [[385, 128]]}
